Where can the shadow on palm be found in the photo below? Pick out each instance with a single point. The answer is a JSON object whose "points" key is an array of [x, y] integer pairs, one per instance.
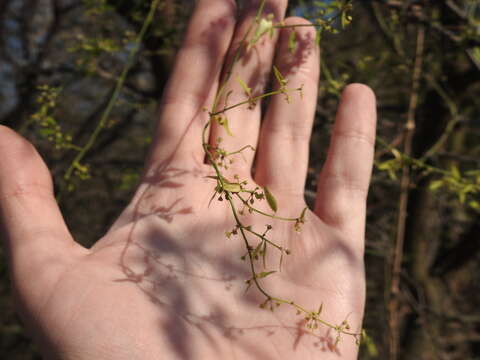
{"points": [[176, 253]]}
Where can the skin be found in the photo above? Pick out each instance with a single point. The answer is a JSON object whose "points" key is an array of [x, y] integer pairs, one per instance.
{"points": [[164, 282]]}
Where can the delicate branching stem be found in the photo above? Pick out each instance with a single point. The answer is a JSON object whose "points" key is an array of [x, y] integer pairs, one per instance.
{"points": [[245, 202], [280, 26], [250, 100], [116, 92], [312, 315], [450, 125], [240, 150], [263, 238], [231, 191], [237, 54], [248, 247]]}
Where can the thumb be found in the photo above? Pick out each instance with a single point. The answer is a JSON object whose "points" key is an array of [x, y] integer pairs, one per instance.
{"points": [[38, 242]]}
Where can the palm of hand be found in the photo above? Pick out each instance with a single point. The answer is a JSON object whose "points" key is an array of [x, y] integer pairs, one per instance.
{"points": [[167, 268]]}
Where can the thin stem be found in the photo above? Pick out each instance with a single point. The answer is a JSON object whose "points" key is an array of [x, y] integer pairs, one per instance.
{"points": [[250, 100], [247, 245], [263, 238], [245, 202], [262, 290], [314, 316], [295, 26], [240, 150], [236, 56], [116, 92], [410, 160]]}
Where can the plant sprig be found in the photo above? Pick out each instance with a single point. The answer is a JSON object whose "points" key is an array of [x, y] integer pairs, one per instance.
{"points": [[257, 243], [465, 186], [76, 165]]}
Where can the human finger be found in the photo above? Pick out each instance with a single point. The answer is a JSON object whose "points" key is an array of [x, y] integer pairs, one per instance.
{"points": [[282, 156], [345, 177], [38, 242], [193, 83], [252, 61]]}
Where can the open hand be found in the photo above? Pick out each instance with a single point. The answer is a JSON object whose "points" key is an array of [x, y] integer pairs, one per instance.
{"points": [[165, 282]]}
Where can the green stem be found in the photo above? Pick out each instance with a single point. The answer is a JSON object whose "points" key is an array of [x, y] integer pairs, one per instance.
{"points": [[116, 92], [240, 150], [263, 238], [263, 291], [229, 195], [245, 202], [250, 100], [247, 245], [236, 56], [411, 160]]}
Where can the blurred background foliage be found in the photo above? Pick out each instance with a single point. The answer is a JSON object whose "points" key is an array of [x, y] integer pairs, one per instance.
{"points": [[61, 59]]}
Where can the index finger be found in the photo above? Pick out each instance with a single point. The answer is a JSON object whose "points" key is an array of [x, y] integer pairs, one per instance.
{"points": [[193, 82]]}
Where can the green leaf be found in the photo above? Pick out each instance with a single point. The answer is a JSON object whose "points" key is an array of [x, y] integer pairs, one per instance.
{"points": [[390, 166], [257, 250], [474, 205], [318, 36], [346, 18], [231, 187], [264, 274], [223, 121], [278, 75], [397, 154], [245, 87], [265, 25], [455, 172], [272, 202], [226, 185], [264, 254], [435, 185], [476, 53], [369, 344], [292, 42]]}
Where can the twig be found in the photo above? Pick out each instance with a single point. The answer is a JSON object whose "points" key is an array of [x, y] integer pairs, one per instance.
{"points": [[397, 255], [450, 125], [113, 99], [417, 14], [392, 36], [456, 9]]}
